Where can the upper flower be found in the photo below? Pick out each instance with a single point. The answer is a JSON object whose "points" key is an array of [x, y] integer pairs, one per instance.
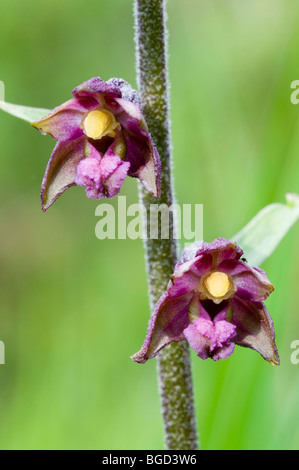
{"points": [[215, 301], [102, 137]]}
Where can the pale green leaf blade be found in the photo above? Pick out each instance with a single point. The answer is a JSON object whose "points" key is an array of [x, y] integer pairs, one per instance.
{"points": [[26, 113], [259, 238]]}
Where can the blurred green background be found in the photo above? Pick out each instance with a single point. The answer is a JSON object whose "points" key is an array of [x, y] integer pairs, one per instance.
{"points": [[73, 308]]}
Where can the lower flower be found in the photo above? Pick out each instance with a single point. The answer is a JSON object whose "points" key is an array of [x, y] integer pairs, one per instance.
{"points": [[215, 301]]}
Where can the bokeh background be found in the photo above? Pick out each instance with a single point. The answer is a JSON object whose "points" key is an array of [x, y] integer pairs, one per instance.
{"points": [[74, 308]]}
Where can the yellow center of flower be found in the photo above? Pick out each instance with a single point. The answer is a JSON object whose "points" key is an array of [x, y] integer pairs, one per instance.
{"points": [[217, 284], [98, 123]]}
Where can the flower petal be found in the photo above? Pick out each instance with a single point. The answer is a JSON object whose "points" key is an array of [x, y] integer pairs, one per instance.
{"points": [[255, 328], [113, 173], [141, 152], [130, 116], [200, 265], [89, 173], [113, 169], [63, 123], [144, 160], [251, 283], [220, 249], [186, 276], [199, 343], [224, 352], [127, 92], [211, 338], [167, 323], [224, 331], [102, 176], [61, 170], [97, 88]]}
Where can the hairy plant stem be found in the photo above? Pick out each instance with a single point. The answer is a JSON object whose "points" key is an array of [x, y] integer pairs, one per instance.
{"points": [[174, 369]]}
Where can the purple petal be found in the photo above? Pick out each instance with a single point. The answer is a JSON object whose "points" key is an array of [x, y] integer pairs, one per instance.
{"points": [[199, 343], [221, 250], [102, 176], [97, 89], [144, 160], [89, 175], [141, 152], [63, 123], [251, 283], [150, 173], [200, 265], [130, 116], [209, 338], [186, 276], [224, 331], [167, 323], [255, 328], [61, 170], [183, 283], [224, 352], [114, 172], [127, 92]]}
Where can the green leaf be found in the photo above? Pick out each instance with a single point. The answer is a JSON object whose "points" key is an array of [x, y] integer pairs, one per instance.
{"points": [[24, 112], [259, 238]]}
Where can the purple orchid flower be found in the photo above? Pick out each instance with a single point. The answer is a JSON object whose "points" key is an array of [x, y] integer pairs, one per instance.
{"points": [[215, 301], [102, 137]]}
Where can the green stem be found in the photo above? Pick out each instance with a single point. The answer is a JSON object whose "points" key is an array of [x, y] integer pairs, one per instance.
{"points": [[174, 368]]}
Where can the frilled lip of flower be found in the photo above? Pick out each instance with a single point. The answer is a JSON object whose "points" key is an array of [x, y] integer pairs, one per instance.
{"points": [[211, 337], [102, 176], [182, 304], [64, 124]]}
